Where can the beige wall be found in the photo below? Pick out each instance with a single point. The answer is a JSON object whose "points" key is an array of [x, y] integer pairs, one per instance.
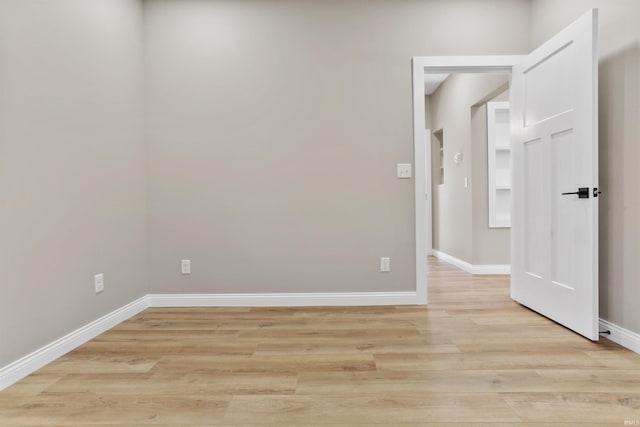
{"points": [[427, 112], [619, 135], [490, 245], [274, 130], [453, 203], [72, 179]]}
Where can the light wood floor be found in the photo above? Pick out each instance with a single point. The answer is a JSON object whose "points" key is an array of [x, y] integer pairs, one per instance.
{"points": [[472, 357]]}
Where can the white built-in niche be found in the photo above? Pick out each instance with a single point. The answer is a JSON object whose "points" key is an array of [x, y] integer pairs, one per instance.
{"points": [[499, 164]]}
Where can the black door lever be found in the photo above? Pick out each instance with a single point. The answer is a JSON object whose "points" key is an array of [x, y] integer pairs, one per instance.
{"points": [[583, 193]]}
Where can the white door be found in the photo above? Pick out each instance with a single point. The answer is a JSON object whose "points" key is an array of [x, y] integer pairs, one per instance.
{"points": [[555, 151], [428, 189]]}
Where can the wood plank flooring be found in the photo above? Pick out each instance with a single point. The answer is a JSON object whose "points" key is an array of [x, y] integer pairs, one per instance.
{"points": [[472, 357]]}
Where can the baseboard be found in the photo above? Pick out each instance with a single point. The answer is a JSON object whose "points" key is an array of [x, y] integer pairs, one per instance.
{"points": [[494, 270], [463, 265], [24, 366], [30, 363], [622, 336], [480, 269], [284, 299]]}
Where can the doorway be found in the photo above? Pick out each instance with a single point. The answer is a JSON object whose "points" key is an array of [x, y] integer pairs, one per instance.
{"points": [[554, 152], [423, 170]]}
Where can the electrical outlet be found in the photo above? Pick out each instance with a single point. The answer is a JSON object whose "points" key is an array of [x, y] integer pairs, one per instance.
{"points": [[403, 170], [185, 265], [385, 264], [98, 283]]}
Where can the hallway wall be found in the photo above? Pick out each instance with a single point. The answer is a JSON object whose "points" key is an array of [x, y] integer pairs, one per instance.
{"points": [[453, 216]]}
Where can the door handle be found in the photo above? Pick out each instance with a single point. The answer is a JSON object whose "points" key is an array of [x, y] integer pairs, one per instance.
{"points": [[583, 193]]}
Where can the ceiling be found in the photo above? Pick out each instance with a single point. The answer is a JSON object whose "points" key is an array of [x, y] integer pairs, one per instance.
{"points": [[432, 81]]}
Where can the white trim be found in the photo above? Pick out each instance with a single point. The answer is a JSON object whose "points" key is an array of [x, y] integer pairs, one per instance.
{"points": [[428, 196], [491, 269], [479, 269], [24, 366], [28, 364], [467, 64], [284, 299], [438, 64], [620, 335], [15, 371], [463, 265], [422, 178]]}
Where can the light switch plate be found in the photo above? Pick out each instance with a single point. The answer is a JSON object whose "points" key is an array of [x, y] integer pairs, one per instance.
{"points": [[185, 266], [404, 170]]}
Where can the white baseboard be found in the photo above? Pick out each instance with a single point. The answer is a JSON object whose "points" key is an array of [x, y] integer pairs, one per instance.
{"points": [[481, 269], [489, 269], [30, 363], [463, 265], [284, 299], [622, 336]]}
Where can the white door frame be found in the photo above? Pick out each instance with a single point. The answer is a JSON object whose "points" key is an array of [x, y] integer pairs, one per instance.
{"points": [[428, 190], [422, 170]]}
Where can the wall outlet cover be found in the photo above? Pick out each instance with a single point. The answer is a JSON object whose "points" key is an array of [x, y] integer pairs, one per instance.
{"points": [[98, 283], [404, 170], [385, 264]]}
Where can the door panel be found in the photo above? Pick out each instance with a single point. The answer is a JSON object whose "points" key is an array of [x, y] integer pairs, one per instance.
{"points": [[554, 238], [542, 99], [562, 210], [535, 228]]}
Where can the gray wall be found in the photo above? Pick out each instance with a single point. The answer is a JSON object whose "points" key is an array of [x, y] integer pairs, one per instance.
{"points": [[72, 178], [274, 131], [453, 203], [619, 134], [489, 245]]}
